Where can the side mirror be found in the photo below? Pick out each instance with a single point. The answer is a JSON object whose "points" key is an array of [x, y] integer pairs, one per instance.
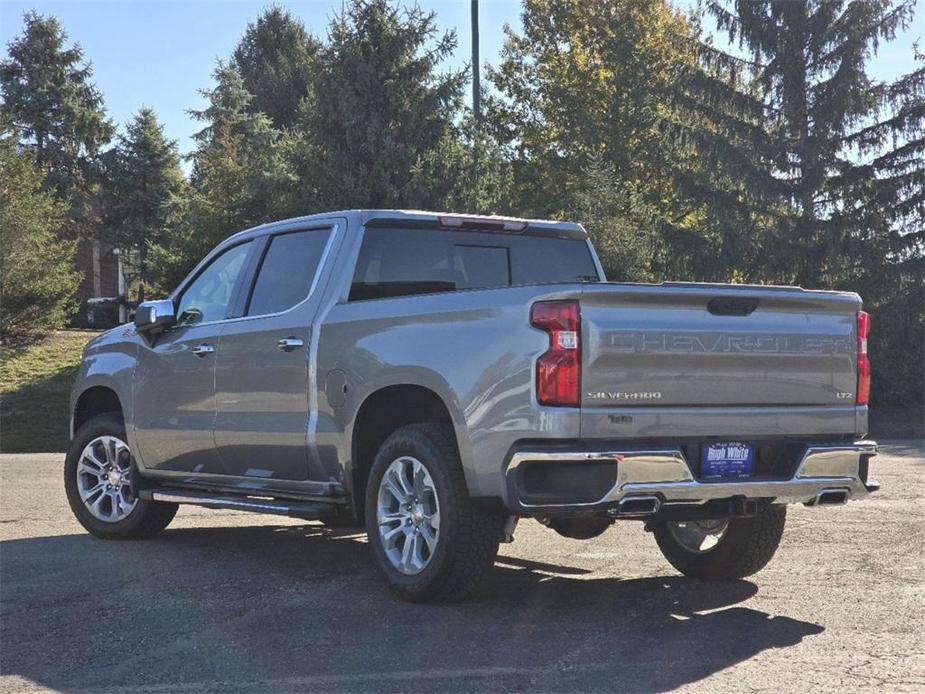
{"points": [[153, 316]]}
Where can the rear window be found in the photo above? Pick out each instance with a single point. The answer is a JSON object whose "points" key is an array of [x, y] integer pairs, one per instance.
{"points": [[404, 262]]}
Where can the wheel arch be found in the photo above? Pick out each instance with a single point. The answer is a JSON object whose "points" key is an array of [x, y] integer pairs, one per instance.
{"points": [[94, 400], [381, 412]]}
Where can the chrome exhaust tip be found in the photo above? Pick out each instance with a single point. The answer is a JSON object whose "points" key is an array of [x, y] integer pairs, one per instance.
{"points": [[831, 497], [637, 506]]}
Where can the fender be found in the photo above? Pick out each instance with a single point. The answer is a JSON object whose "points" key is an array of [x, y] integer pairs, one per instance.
{"points": [[110, 364], [359, 393]]}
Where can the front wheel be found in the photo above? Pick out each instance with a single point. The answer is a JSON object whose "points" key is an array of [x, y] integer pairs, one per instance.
{"points": [[722, 549], [431, 540], [98, 481]]}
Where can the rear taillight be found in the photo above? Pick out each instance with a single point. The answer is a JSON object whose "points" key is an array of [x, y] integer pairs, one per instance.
{"points": [[863, 362], [558, 369]]}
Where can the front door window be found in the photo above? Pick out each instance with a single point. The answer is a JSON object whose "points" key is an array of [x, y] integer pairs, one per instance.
{"points": [[208, 297]]}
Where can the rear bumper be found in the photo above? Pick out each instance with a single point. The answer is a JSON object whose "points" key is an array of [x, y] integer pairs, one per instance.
{"points": [[826, 473]]}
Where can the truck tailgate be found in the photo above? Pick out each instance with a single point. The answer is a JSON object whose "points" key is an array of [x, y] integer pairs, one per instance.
{"points": [[716, 346]]}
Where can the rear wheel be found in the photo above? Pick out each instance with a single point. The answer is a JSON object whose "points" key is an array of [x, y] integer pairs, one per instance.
{"points": [[430, 539], [722, 549], [99, 480]]}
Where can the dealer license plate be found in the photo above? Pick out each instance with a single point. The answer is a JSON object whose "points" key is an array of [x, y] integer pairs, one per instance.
{"points": [[730, 459]]}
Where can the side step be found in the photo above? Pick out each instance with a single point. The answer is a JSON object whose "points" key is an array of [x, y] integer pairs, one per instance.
{"points": [[309, 510]]}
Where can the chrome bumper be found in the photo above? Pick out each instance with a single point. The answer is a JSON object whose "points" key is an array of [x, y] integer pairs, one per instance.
{"points": [[665, 474]]}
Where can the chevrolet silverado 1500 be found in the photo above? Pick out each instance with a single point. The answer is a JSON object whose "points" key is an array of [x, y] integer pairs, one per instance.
{"points": [[436, 377]]}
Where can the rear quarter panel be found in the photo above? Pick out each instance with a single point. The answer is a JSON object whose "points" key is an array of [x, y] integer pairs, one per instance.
{"points": [[475, 349]]}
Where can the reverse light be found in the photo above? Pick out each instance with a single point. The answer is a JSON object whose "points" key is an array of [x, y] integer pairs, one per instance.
{"points": [[863, 393], [558, 369]]}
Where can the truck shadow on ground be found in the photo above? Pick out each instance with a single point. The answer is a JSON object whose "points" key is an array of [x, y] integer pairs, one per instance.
{"points": [[302, 607]]}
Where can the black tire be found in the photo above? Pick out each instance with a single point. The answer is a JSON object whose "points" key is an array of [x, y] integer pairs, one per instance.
{"points": [[469, 533], [147, 519], [744, 549]]}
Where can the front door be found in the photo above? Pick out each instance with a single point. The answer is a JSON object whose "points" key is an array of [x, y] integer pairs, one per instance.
{"points": [[174, 385], [261, 379]]}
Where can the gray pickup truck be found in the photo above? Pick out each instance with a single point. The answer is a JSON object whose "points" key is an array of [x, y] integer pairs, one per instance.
{"points": [[436, 377]]}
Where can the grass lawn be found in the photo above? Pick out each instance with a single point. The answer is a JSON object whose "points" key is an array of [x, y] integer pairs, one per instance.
{"points": [[35, 387]]}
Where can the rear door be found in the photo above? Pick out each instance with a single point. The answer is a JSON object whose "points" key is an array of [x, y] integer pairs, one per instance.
{"points": [[262, 365]]}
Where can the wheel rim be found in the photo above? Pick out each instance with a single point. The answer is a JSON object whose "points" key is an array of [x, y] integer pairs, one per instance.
{"points": [[408, 513], [104, 479], [698, 536]]}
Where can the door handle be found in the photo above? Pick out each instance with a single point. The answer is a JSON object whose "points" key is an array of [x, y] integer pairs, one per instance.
{"points": [[287, 344], [203, 350]]}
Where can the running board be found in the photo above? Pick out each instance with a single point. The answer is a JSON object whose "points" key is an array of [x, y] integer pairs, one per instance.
{"points": [[280, 507]]}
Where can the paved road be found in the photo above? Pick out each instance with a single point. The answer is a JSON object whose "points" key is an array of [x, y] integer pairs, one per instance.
{"points": [[225, 601]]}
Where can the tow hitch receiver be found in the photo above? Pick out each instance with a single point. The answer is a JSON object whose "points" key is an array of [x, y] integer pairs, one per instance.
{"points": [[737, 507]]}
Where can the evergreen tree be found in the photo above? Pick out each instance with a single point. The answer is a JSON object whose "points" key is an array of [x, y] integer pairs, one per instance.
{"points": [[392, 110], [241, 177], [826, 159], [620, 222], [242, 157], [811, 135], [276, 60], [145, 181], [48, 95], [37, 279], [444, 177]]}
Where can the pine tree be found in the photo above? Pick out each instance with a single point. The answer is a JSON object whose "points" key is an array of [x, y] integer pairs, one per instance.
{"points": [[444, 178], [37, 279], [799, 122], [241, 177], [276, 59], [242, 153], [48, 95], [620, 221], [145, 181], [393, 107]]}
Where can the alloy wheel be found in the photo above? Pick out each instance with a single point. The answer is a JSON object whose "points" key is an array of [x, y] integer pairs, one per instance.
{"points": [[104, 479], [408, 515]]}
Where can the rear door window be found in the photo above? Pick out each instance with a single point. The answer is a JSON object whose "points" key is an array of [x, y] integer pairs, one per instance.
{"points": [[287, 271]]}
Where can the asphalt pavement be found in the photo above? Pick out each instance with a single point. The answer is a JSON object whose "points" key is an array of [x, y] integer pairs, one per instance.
{"points": [[231, 602]]}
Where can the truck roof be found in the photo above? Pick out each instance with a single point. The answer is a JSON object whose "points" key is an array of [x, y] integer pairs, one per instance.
{"points": [[446, 220]]}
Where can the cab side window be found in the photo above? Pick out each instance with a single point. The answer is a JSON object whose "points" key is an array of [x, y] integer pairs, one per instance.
{"points": [[208, 297]]}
